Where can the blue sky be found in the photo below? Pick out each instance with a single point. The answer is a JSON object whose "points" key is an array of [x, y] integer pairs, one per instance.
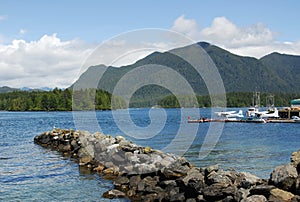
{"points": [[34, 29], [99, 20]]}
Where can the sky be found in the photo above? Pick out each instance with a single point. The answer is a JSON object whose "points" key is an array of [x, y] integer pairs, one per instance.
{"points": [[46, 43]]}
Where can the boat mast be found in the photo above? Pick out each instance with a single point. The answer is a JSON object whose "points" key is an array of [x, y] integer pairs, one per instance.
{"points": [[256, 99], [270, 101]]}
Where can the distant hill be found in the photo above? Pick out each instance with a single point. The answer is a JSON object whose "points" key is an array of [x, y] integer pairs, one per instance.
{"points": [[274, 73], [6, 89], [287, 67]]}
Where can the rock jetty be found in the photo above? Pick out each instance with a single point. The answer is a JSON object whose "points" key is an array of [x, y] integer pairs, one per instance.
{"points": [[145, 174]]}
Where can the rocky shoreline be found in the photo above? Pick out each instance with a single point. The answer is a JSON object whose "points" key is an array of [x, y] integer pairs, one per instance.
{"points": [[145, 174]]}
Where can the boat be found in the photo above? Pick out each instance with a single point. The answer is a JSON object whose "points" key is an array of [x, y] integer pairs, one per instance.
{"points": [[296, 119], [200, 120], [253, 119], [252, 111]]}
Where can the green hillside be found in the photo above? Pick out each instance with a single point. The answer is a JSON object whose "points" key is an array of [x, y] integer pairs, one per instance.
{"points": [[287, 66], [274, 73]]}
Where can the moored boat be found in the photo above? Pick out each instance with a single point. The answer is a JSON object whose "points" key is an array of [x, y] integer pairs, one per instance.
{"points": [[253, 119], [296, 119]]}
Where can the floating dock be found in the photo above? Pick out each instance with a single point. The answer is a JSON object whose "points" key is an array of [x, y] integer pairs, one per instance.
{"points": [[241, 121]]}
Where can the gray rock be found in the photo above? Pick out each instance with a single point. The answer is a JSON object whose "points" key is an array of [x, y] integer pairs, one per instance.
{"points": [[166, 183], [109, 164], [284, 177], [218, 177], [178, 197], [193, 174], [191, 200], [141, 186], [211, 168], [98, 135], [121, 180], [295, 158], [134, 180], [262, 190], [114, 193], [151, 181], [149, 197], [242, 194], [144, 158], [255, 198], [213, 192], [249, 178], [280, 195]]}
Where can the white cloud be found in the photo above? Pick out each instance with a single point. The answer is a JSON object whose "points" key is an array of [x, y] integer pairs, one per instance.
{"points": [[46, 62], [186, 26], [222, 31], [52, 62], [255, 40]]}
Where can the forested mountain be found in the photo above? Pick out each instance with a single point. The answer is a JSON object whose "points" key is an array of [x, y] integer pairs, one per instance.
{"points": [[287, 67], [274, 73]]}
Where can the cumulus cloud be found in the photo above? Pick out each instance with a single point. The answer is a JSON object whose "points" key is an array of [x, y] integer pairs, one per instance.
{"points": [[53, 62], [186, 26], [223, 31], [45, 62], [254, 40]]}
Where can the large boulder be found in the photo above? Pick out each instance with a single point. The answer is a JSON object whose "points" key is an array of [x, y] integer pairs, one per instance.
{"points": [[280, 195], [284, 177], [114, 193], [255, 198], [295, 160]]}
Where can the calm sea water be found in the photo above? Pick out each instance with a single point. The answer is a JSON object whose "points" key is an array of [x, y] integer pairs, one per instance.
{"points": [[29, 172]]}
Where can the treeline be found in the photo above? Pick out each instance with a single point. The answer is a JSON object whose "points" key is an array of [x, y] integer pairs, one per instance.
{"points": [[237, 99], [58, 100], [94, 99]]}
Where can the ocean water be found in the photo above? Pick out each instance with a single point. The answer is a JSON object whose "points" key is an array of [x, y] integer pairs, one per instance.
{"points": [[29, 172]]}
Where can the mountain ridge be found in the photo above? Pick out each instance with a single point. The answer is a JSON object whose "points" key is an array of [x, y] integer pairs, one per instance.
{"points": [[273, 73]]}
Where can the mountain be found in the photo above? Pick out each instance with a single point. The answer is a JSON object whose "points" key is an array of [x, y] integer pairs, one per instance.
{"points": [[287, 66], [6, 89], [274, 73], [36, 89]]}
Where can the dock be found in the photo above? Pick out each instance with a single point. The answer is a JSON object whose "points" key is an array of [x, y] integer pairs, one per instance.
{"points": [[241, 121]]}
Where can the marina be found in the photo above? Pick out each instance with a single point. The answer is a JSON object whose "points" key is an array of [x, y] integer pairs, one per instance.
{"points": [[254, 115]]}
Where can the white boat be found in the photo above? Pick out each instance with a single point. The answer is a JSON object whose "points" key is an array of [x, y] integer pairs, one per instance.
{"points": [[252, 111], [253, 119], [270, 113], [296, 119]]}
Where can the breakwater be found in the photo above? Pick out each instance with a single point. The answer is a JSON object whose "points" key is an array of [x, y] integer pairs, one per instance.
{"points": [[145, 174]]}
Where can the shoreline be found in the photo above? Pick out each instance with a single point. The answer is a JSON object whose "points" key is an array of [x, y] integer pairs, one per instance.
{"points": [[145, 174]]}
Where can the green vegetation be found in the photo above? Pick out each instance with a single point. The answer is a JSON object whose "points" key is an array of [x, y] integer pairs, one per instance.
{"points": [[232, 99], [57, 100], [92, 99]]}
